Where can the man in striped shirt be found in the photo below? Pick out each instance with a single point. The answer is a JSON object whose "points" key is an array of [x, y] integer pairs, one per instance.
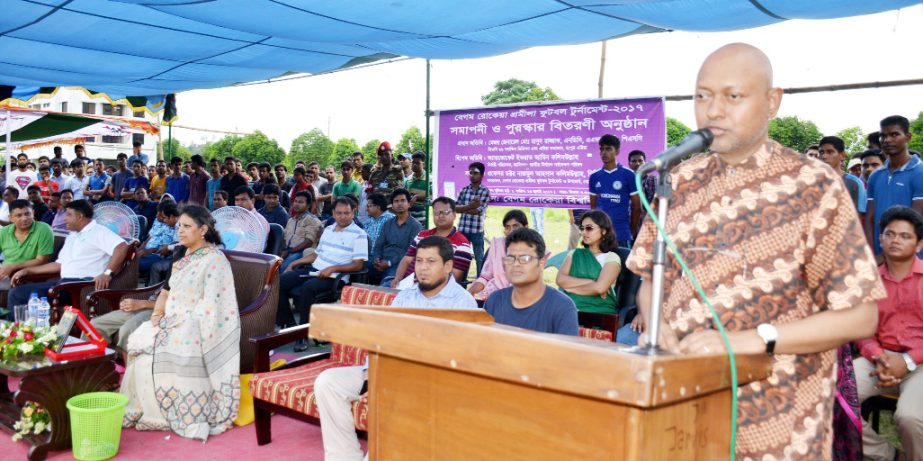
{"points": [[444, 218], [343, 247]]}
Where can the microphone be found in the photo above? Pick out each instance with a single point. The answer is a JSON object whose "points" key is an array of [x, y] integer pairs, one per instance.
{"points": [[695, 142]]}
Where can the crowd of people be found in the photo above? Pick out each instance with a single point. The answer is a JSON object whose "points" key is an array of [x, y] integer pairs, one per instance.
{"points": [[785, 243]]}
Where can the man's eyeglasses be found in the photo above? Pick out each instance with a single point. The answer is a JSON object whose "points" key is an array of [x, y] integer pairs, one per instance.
{"points": [[443, 212], [523, 259], [587, 228]]}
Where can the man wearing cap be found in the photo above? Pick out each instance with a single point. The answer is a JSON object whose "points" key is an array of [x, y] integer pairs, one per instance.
{"points": [[833, 152], [405, 160], [386, 176], [854, 167]]}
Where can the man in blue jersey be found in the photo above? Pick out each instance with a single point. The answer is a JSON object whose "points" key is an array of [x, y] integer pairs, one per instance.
{"points": [[612, 190], [898, 182]]}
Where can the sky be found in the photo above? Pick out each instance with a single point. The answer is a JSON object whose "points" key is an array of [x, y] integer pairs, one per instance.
{"points": [[382, 101]]}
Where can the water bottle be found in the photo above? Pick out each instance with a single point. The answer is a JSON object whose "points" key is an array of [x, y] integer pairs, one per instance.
{"points": [[44, 314], [34, 304]]}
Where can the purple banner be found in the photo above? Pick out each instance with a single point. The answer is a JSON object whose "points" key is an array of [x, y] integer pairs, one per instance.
{"points": [[541, 155]]}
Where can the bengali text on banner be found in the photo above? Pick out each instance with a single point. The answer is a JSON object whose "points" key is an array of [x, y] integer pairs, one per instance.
{"points": [[541, 155]]}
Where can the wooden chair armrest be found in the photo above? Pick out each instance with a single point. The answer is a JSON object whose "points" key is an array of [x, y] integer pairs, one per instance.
{"points": [[36, 278], [71, 288], [115, 296], [255, 306], [304, 361], [270, 341]]}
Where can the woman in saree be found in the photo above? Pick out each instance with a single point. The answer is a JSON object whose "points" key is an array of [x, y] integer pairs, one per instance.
{"points": [[589, 273], [183, 371], [492, 276]]}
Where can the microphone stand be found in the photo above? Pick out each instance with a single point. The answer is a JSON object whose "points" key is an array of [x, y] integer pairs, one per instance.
{"points": [[664, 192]]}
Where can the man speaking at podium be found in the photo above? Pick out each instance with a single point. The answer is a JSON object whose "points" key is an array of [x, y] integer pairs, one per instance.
{"points": [[774, 240]]}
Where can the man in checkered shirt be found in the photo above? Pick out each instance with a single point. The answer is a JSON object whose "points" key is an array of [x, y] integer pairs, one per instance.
{"points": [[472, 205]]}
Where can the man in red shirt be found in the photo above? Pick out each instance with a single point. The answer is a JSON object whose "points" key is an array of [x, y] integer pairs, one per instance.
{"points": [[444, 219], [303, 179], [45, 184], [890, 359]]}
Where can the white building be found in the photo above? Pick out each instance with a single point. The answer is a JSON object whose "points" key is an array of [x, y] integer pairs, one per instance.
{"points": [[75, 100]]}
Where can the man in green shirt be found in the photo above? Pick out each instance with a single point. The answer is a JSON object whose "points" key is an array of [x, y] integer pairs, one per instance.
{"points": [[346, 185], [25, 242], [418, 186]]}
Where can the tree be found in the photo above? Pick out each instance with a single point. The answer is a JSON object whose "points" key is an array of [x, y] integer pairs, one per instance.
{"points": [[676, 131], [916, 129], [177, 150], [515, 90], [257, 147], [313, 145], [411, 141], [221, 148], [343, 149], [794, 133], [853, 138], [369, 151]]}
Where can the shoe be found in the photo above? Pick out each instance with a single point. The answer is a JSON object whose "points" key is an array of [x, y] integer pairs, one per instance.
{"points": [[301, 345]]}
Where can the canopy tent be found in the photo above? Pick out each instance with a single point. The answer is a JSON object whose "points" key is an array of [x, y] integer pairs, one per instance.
{"points": [[145, 47], [32, 128]]}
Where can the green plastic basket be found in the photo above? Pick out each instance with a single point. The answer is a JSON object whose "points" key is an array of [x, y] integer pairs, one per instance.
{"points": [[96, 424]]}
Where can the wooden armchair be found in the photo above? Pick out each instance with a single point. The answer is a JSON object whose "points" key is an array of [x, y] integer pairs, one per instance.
{"points": [[289, 389], [256, 284], [125, 277]]}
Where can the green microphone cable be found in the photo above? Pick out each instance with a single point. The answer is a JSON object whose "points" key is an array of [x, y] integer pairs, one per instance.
{"points": [[715, 319]]}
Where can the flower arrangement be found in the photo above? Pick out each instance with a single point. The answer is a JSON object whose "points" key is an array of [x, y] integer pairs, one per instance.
{"points": [[34, 420], [19, 340]]}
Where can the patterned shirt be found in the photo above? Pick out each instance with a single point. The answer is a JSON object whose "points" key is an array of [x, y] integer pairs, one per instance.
{"points": [[161, 234], [469, 223], [373, 226], [649, 186], [385, 181], [774, 239]]}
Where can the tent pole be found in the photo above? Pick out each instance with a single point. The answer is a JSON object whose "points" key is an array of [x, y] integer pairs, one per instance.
{"points": [[170, 141], [9, 143], [426, 142]]}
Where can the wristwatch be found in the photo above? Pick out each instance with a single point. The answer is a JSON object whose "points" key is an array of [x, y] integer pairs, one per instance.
{"points": [[769, 334], [108, 272], [911, 365]]}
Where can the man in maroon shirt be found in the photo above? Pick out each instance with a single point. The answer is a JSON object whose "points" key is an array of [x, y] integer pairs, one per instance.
{"points": [[197, 180], [890, 359]]}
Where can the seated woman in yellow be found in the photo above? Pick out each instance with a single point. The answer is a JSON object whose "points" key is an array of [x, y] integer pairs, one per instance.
{"points": [[588, 274], [183, 370]]}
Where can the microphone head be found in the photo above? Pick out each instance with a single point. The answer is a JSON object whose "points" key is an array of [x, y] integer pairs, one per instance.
{"points": [[706, 135]]}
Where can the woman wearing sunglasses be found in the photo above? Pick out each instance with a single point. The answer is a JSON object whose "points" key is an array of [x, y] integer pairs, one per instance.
{"points": [[588, 274]]}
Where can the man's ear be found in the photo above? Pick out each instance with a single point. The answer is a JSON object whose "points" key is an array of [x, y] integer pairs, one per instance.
{"points": [[775, 101]]}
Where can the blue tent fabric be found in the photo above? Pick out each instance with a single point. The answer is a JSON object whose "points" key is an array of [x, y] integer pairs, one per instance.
{"points": [[157, 47]]}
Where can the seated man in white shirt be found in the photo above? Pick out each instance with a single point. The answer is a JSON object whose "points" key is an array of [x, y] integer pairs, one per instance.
{"points": [[337, 388], [90, 252]]}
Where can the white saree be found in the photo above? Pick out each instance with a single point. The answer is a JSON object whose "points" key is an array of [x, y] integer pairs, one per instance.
{"points": [[184, 373]]}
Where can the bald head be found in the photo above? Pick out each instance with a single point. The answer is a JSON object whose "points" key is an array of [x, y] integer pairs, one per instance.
{"points": [[735, 99], [740, 58]]}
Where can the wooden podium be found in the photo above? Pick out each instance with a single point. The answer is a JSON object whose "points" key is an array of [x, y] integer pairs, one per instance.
{"points": [[453, 385]]}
